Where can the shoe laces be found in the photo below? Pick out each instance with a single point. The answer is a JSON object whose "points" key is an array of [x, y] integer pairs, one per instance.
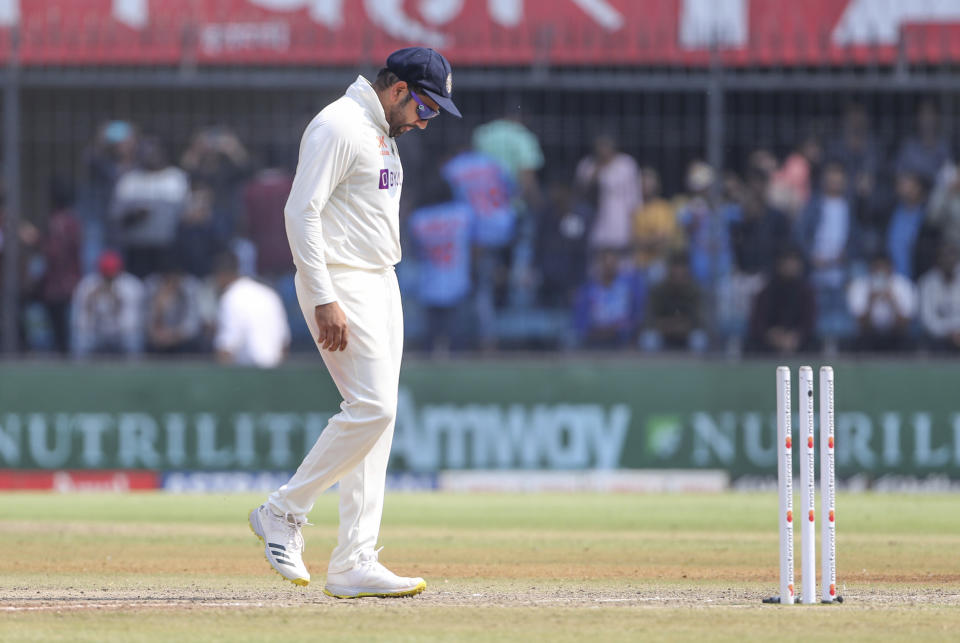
{"points": [[293, 528], [370, 559]]}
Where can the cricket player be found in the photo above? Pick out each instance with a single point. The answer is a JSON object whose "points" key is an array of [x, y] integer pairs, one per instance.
{"points": [[342, 223]]}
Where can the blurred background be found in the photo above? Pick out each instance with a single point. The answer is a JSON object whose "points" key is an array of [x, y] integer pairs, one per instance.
{"points": [[657, 194]]}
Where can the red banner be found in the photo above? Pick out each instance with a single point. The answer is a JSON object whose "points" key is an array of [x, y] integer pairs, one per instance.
{"points": [[65, 481], [481, 32]]}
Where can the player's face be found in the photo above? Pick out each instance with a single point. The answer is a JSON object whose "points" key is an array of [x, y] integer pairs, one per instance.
{"points": [[403, 115]]}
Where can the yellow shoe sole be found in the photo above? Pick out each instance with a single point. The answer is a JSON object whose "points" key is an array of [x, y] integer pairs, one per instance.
{"points": [[299, 582], [410, 592]]}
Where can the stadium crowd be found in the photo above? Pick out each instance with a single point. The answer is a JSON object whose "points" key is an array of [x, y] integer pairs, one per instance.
{"points": [[842, 244]]}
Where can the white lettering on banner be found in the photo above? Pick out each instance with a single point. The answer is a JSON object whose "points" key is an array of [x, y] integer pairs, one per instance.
{"points": [[175, 428], [440, 12], [389, 15], [713, 23], [137, 434], [879, 21], [758, 453], [457, 448], [10, 437], [558, 436], [133, 13], [525, 433], [506, 13], [924, 454], [279, 426], [418, 454], [44, 456], [701, 23], [610, 435], [63, 482], [326, 12], [244, 450], [890, 423], [233, 481], [217, 39], [208, 455], [853, 432], [718, 438], [469, 436], [564, 438], [92, 426], [440, 421], [498, 434], [602, 13], [9, 12]]}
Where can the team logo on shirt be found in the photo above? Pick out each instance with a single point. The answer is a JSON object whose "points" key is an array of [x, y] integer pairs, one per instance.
{"points": [[384, 148], [390, 179]]}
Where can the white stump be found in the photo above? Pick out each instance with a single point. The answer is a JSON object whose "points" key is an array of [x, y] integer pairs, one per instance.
{"points": [[828, 525], [807, 514], [785, 483]]}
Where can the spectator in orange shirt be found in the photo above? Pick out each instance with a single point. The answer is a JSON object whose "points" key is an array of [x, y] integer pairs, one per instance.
{"points": [[655, 230]]}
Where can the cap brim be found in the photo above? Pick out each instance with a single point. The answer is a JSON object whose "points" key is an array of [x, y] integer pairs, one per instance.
{"points": [[445, 103]]}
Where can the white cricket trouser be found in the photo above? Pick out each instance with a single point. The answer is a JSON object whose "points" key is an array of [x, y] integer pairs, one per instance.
{"points": [[355, 445]]}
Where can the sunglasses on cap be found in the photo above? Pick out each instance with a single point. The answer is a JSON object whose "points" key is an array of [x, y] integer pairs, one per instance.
{"points": [[424, 112]]}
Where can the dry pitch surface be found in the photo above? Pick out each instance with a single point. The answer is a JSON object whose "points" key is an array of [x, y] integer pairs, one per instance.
{"points": [[525, 567]]}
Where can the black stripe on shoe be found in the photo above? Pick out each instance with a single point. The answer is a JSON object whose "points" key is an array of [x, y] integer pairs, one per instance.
{"points": [[276, 546]]}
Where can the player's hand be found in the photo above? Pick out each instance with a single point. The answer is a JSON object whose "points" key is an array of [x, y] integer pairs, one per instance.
{"points": [[332, 324]]}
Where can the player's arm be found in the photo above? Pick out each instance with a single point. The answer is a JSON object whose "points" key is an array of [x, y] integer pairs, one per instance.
{"points": [[326, 158]]}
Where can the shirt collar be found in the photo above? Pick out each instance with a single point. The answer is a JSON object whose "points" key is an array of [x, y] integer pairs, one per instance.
{"points": [[363, 92]]}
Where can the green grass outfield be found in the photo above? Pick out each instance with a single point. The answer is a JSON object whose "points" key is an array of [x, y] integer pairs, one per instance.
{"points": [[579, 567]]}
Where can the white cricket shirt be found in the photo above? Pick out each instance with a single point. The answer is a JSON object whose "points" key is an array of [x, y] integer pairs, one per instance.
{"points": [[344, 207], [252, 324]]}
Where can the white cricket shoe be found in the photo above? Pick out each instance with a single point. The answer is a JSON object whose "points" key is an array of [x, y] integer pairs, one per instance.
{"points": [[283, 543], [370, 578]]}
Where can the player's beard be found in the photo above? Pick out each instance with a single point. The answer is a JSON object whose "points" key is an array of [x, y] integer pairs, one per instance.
{"points": [[396, 131], [395, 119]]}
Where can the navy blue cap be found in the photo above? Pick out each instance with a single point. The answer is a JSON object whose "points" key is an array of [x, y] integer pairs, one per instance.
{"points": [[428, 70]]}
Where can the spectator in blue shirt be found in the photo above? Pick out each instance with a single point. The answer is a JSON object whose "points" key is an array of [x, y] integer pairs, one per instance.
{"points": [[826, 232], [484, 185], [610, 306], [518, 150], [442, 235], [905, 225], [927, 151], [481, 182], [707, 228]]}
